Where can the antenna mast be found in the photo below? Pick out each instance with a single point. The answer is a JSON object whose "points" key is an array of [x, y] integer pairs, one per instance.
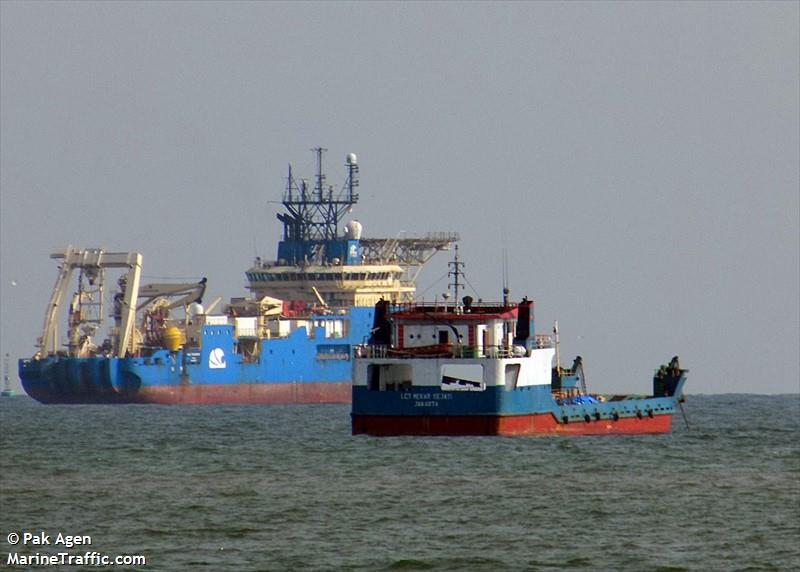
{"points": [[456, 272], [506, 291], [316, 214]]}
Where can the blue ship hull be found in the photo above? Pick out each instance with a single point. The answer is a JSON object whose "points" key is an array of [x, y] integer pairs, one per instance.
{"points": [[299, 368]]}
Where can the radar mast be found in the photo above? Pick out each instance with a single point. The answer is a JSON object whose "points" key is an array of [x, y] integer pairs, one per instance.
{"points": [[316, 214]]}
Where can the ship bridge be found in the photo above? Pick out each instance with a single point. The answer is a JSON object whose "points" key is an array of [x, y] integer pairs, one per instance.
{"points": [[322, 261]]}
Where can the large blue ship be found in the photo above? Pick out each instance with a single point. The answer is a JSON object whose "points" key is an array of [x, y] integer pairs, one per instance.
{"points": [[290, 341]]}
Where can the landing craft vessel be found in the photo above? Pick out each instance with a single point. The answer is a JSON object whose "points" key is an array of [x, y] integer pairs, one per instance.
{"points": [[290, 341], [479, 369]]}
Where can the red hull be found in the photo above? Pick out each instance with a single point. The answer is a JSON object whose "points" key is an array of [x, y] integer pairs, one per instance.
{"points": [[246, 393], [538, 424]]}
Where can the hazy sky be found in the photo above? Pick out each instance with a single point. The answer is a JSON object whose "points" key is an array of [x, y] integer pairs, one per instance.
{"points": [[638, 161]]}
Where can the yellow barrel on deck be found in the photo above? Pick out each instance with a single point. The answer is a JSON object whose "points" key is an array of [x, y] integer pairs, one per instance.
{"points": [[173, 338]]}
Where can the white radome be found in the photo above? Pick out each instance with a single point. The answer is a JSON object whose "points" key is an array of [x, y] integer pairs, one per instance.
{"points": [[354, 230]]}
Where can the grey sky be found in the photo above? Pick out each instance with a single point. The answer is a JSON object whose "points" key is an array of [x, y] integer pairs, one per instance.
{"points": [[639, 161]]}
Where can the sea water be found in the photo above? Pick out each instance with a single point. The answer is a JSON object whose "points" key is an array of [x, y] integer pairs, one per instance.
{"points": [[289, 488]]}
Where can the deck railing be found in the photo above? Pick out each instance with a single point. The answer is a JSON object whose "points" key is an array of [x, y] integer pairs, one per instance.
{"points": [[452, 351]]}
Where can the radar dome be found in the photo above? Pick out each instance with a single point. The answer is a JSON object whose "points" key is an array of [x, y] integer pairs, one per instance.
{"points": [[196, 309], [352, 159], [353, 230]]}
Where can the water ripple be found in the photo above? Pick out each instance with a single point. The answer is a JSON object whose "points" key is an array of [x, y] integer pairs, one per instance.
{"points": [[288, 488]]}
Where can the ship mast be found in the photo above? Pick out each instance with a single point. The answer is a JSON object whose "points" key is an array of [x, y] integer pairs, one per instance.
{"points": [[316, 214], [456, 271], [319, 252]]}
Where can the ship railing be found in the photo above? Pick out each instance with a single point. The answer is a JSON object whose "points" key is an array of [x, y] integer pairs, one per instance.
{"points": [[370, 351], [458, 351], [451, 307], [490, 352]]}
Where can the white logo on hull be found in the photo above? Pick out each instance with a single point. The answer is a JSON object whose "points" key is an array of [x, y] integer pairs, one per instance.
{"points": [[216, 359]]}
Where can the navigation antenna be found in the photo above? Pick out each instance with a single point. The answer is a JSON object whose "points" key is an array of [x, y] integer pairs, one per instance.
{"points": [[506, 291], [316, 214], [456, 272]]}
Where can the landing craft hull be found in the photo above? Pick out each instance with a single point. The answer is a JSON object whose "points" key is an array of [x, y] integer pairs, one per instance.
{"points": [[498, 396]]}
